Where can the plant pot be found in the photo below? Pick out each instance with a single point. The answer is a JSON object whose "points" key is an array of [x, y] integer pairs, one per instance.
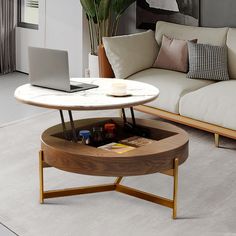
{"points": [[93, 66]]}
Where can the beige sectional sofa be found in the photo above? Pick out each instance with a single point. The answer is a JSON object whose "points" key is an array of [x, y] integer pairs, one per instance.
{"points": [[204, 104]]}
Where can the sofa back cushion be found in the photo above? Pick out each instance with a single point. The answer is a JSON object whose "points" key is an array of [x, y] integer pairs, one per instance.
{"points": [[129, 54], [213, 36], [231, 44]]}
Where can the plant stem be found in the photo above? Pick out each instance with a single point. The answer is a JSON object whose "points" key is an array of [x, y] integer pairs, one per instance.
{"points": [[104, 29], [91, 35], [96, 33], [109, 20], [98, 22], [115, 26], [107, 27]]}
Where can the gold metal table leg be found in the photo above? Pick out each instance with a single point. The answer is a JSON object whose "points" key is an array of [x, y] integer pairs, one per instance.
{"points": [[175, 190], [116, 186], [41, 181], [118, 180]]}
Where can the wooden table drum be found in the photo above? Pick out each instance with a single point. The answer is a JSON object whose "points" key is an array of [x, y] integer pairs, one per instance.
{"points": [[163, 155]]}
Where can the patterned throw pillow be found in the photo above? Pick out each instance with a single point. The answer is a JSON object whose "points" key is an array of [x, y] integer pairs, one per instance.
{"points": [[207, 62]]}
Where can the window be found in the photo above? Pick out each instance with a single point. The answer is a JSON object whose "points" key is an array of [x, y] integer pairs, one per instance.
{"points": [[28, 13]]}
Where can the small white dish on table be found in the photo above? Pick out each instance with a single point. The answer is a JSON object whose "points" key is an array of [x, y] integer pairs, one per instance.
{"points": [[118, 89]]}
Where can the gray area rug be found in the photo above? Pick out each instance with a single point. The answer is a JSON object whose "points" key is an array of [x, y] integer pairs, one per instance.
{"points": [[207, 191], [11, 109]]}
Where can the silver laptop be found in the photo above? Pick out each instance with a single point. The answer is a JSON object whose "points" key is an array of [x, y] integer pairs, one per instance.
{"points": [[49, 68]]}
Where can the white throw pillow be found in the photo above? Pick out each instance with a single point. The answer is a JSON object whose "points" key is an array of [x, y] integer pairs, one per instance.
{"points": [[129, 54]]}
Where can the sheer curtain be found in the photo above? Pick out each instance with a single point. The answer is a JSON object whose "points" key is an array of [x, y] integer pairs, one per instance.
{"points": [[7, 37]]}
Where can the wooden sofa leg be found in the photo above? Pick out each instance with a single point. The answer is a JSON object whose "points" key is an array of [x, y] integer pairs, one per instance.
{"points": [[217, 140]]}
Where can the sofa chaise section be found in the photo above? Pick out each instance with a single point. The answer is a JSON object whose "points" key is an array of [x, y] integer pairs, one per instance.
{"points": [[216, 104]]}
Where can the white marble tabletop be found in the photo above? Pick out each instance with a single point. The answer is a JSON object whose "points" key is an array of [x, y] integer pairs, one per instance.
{"points": [[93, 99]]}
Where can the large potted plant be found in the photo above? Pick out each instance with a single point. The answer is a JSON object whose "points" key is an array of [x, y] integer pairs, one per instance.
{"points": [[103, 21]]}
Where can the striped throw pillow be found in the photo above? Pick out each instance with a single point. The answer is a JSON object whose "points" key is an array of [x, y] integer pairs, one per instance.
{"points": [[207, 62]]}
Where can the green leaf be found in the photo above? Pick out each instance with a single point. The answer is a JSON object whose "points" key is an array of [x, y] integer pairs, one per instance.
{"points": [[89, 7], [119, 6], [97, 2], [103, 9]]}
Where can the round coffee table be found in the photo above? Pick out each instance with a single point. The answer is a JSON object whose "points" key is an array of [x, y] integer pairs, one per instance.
{"points": [[60, 147]]}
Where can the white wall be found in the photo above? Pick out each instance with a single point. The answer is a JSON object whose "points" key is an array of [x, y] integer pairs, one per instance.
{"points": [[60, 27], [64, 30]]}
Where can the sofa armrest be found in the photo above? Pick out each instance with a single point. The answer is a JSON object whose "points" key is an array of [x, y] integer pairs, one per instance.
{"points": [[105, 70]]}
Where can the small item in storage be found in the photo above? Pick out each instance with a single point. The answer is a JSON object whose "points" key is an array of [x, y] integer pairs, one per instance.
{"points": [[117, 147], [110, 131], [137, 141], [98, 136], [85, 135]]}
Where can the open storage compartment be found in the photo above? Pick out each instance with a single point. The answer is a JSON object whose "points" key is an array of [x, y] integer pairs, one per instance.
{"points": [[122, 132]]}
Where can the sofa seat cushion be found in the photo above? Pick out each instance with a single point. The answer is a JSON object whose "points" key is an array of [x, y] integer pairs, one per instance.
{"points": [[215, 104], [172, 85]]}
